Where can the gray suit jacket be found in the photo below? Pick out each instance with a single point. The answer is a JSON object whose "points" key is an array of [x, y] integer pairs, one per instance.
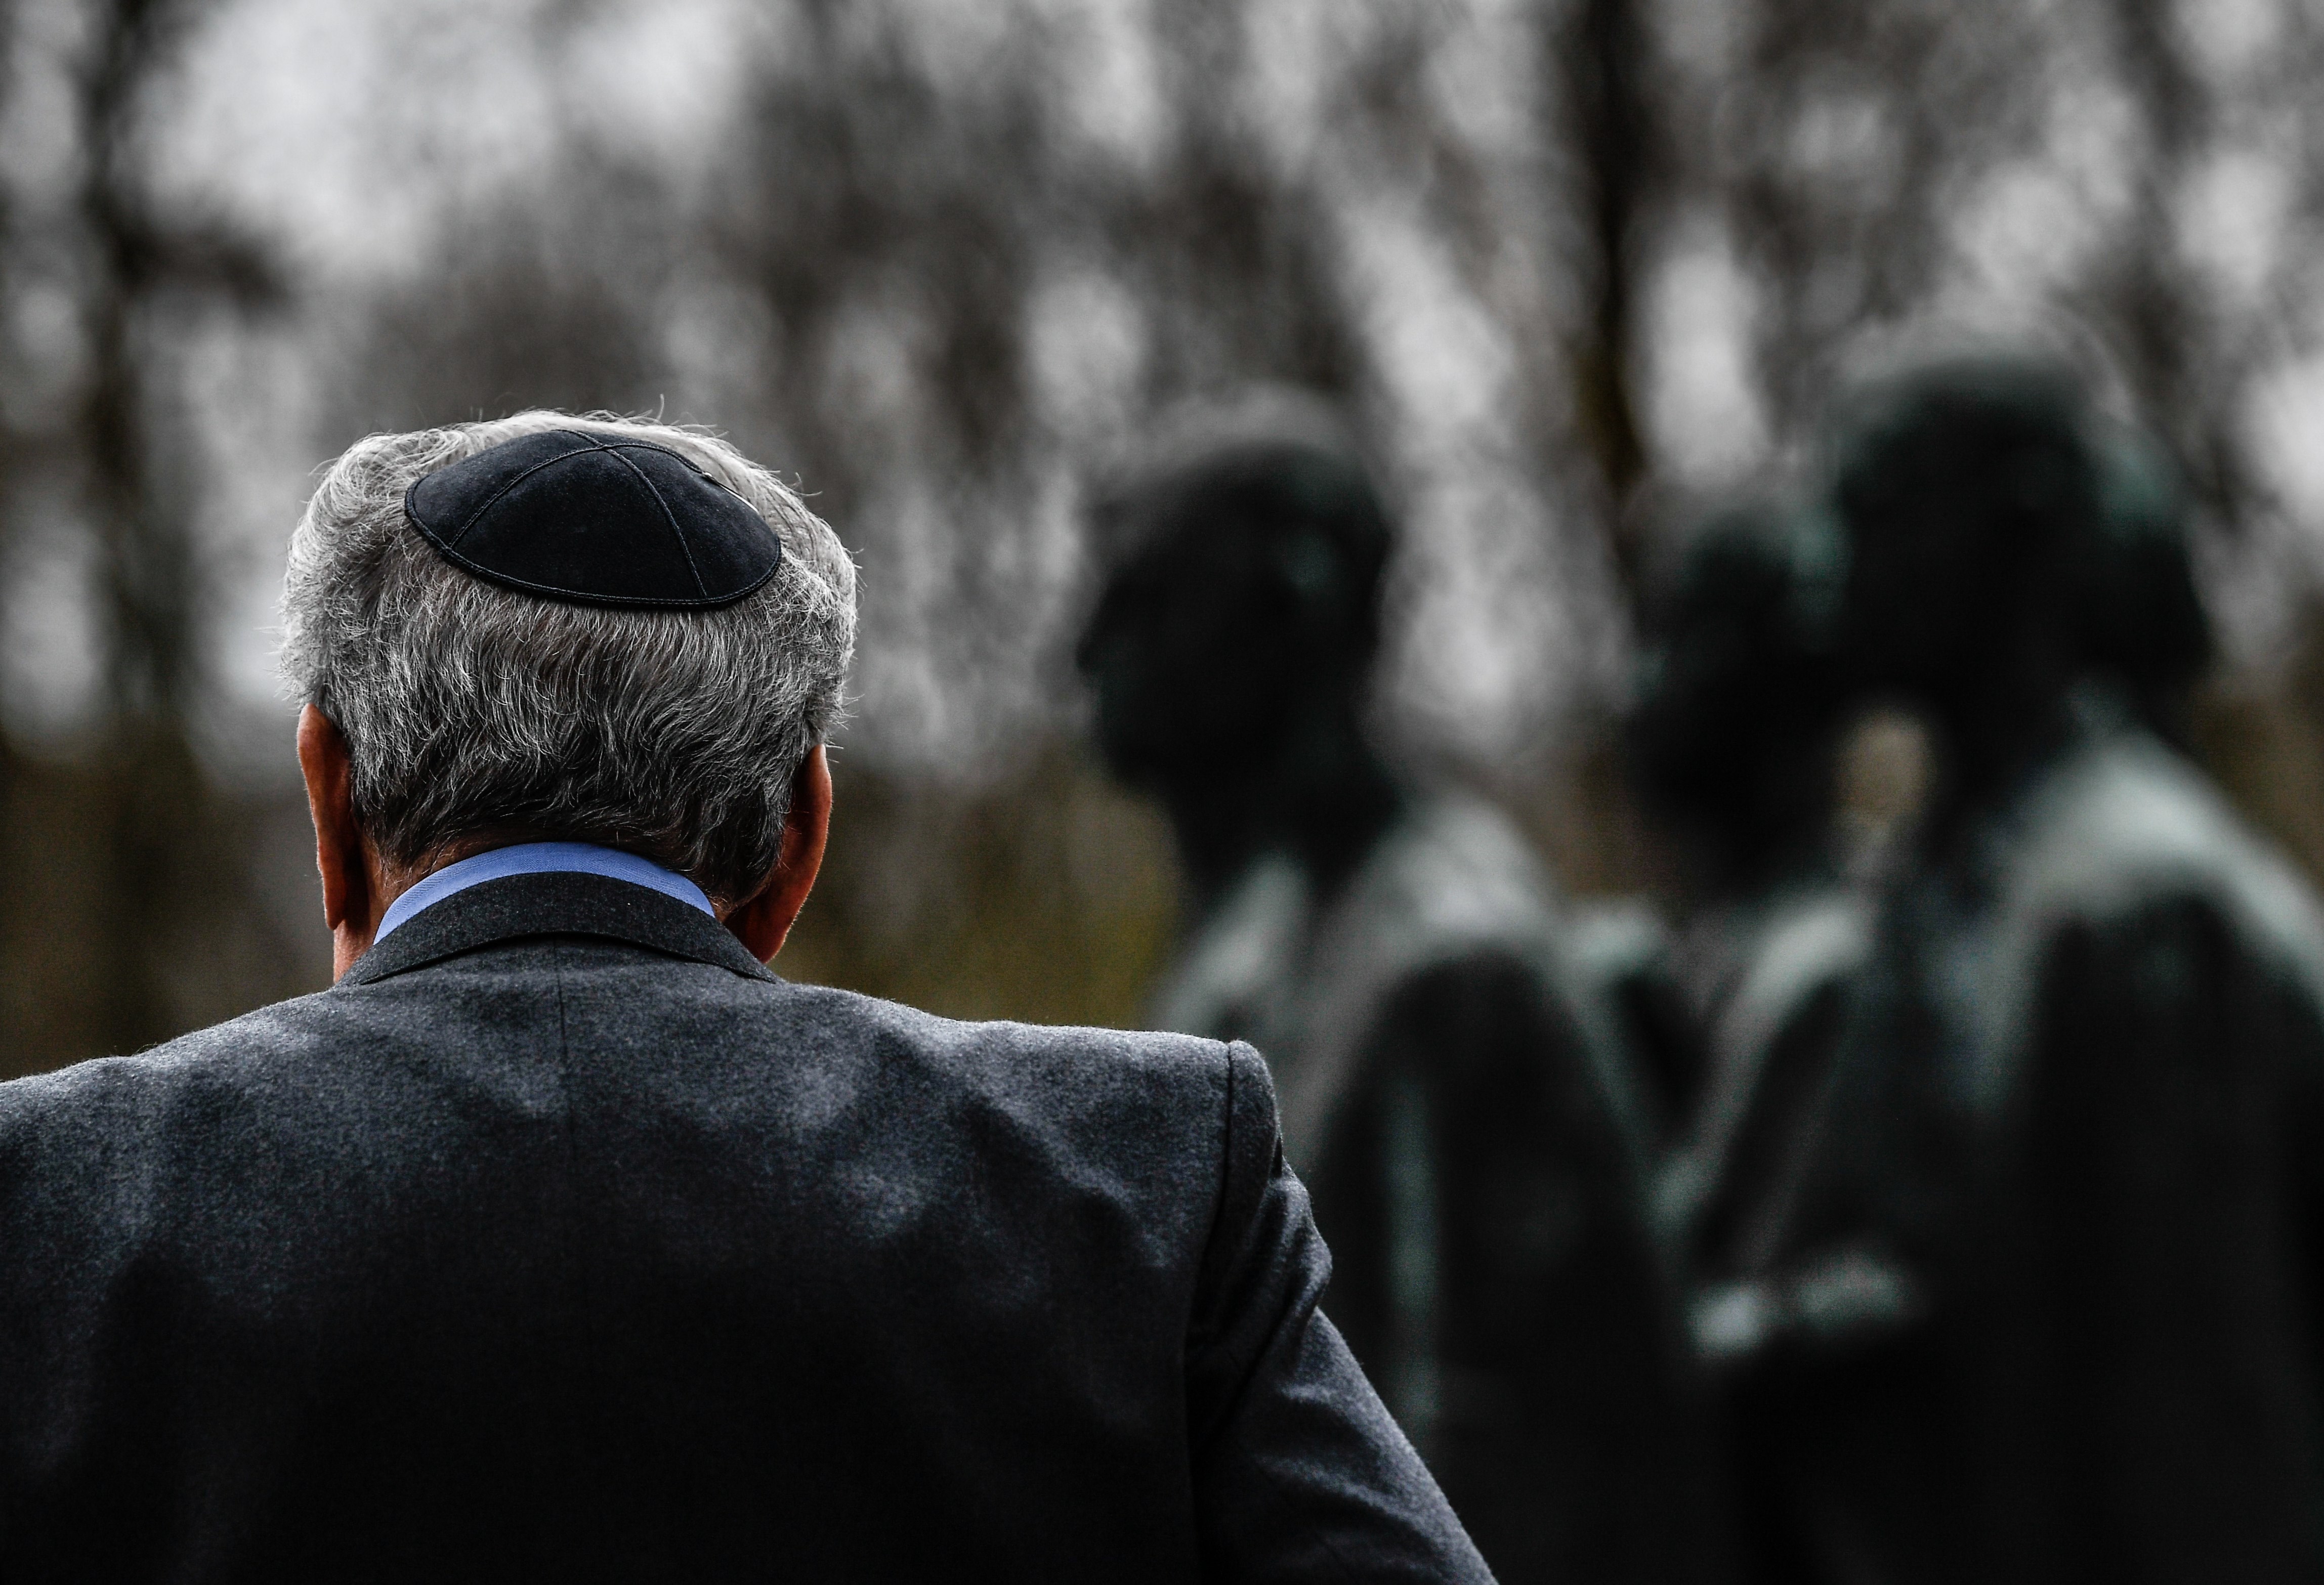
{"points": [[562, 1240]]}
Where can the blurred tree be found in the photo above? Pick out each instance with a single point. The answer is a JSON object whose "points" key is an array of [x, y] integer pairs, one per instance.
{"points": [[137, 855], [1604, 50], [155, 795]]}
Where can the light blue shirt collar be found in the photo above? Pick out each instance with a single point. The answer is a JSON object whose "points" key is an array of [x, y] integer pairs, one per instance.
{"points": [[542, 857]]}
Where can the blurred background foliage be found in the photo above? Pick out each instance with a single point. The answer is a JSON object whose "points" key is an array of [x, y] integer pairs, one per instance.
{"points": [[1574, 266]]}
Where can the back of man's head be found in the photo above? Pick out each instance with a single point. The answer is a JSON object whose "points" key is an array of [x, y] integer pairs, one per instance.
{"points": [[474, 709]]}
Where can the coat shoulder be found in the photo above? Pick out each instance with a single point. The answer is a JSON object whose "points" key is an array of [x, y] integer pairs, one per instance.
{"points": [[1097, 1071], [246, 1046]]}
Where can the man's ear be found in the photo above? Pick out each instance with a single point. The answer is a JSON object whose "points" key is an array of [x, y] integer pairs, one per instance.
{"points": [[763, 922], [339, 852]]}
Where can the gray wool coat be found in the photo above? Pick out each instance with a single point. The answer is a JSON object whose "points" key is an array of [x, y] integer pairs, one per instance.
{"points": [[562, 1240]]}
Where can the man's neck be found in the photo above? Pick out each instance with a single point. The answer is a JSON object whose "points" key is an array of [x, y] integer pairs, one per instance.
{"points": [[400, 892]]}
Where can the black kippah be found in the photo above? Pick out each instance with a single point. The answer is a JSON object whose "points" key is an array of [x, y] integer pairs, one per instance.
{"points": [[596, 517]]}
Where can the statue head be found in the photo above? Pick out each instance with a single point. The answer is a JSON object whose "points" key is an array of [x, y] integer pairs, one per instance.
{"points": [[1972, 499], [1737, 705], [1240, 605]]}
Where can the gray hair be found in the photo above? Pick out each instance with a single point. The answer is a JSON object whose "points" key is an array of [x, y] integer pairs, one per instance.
{"points": [[471, 709]]}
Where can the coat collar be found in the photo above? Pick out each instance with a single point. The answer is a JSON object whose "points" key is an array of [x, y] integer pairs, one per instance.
{"points": [[558, 903]]}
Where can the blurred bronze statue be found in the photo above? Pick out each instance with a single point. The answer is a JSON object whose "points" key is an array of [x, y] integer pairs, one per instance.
{"points": [[1731, 733], [2047, 1292], [1453, 1104], [1732, 737]]}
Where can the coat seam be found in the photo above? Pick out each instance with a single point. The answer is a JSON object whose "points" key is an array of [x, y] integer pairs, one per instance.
{"points": [[576, 1246]]}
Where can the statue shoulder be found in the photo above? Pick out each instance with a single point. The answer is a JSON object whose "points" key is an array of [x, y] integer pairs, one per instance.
{"points": [[1454, 877], [2129, 825]]}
